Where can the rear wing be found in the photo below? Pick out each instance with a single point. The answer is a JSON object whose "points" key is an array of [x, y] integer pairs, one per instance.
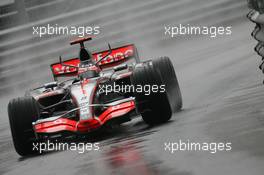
{"points": [[118, 56]]}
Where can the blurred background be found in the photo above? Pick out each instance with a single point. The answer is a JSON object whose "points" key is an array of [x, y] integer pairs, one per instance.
{"points": [[221, 86]]}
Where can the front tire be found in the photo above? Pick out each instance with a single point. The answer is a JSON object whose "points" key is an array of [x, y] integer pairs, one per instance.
{"points": [[22, 112]]}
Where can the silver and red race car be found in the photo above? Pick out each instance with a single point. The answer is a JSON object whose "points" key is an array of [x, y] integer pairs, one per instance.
{"points": [[100, 89]]}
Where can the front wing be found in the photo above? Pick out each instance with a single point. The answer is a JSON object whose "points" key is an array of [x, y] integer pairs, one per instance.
{"points": [[65, 124]]}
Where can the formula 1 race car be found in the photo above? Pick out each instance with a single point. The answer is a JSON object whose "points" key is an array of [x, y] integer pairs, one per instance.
{"points": [[99, 89]]}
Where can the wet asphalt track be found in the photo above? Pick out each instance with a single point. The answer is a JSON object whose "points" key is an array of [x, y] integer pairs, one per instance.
{"points": [[220, 83]]}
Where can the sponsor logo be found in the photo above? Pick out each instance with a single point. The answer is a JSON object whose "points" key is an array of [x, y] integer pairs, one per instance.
{"points": [[116, 55]]}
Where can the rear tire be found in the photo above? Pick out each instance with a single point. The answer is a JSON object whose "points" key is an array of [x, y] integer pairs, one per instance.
{"points": [[155, 107], [22, 112], [167, 72]]}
